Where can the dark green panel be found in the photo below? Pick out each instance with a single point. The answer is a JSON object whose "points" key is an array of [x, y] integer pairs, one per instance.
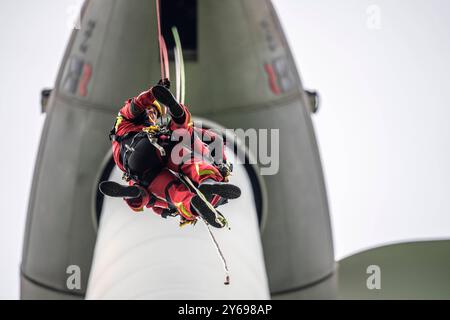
{"points": [[416, 270]]}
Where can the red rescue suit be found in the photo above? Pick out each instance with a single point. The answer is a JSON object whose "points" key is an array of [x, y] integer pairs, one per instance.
{"points": [[165, 191]]}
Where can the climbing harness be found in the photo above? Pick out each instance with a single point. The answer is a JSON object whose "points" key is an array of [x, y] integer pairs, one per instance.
{"points": [[180, 95]]}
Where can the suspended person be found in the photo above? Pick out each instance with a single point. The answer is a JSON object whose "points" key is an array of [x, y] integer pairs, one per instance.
{"points": [[149, 157]]}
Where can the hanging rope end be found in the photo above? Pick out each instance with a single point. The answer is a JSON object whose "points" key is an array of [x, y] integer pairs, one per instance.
{"points": [[227, 280]]}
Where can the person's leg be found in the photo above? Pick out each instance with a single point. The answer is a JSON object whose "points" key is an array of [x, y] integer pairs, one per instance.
{"points": [[143, 162], [196, 169], [116, 190], [167, 187], [192, 159], [206, 176], [176, 110]]}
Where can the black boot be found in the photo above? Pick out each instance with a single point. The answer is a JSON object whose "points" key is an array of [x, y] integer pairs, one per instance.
{"points": [[226, 190], [200, 207], [163, 95], [116, 190]]}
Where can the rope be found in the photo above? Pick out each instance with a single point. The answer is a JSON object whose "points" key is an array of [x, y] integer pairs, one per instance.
{"points": [[158, 19], [177, 51], [219, 251], [165, 58]]}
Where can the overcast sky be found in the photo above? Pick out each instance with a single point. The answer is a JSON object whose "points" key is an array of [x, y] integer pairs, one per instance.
{"points": [[383, 72]]}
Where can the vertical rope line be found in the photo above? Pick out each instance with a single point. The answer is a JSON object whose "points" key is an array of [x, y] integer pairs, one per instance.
{"points": [[158, 18]]}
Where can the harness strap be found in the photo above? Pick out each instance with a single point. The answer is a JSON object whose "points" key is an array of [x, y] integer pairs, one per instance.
{"points": [[167, 195], [152, 136], [139, 120]]}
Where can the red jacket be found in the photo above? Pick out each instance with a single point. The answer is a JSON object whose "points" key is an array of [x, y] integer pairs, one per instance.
{"points": [[132, 109]]}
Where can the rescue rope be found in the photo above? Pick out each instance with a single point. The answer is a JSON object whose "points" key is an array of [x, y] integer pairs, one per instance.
{"points": [[188, 183], [158, 19], [163, 55], [219, 251], [179, 62], [165, 58]]}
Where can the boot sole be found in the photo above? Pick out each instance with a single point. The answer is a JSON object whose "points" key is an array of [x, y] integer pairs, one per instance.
{"points": [[164, 96], [225, 190], [116, 190], [205, 212]]}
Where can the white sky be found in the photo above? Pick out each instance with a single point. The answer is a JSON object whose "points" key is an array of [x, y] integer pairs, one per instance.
{"points": [[33, 37], [383, 128]]}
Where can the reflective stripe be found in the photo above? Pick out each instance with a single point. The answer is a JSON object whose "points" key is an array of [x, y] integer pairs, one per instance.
{"points": [[185, 222], [137, 209], [167, 195], [183, 209], [197, 168], [206, 172], [119, 120], [151, 129]]}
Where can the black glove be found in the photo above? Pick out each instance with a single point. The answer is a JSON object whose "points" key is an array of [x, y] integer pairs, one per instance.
{"points": [[164, 82], [169, 213]]}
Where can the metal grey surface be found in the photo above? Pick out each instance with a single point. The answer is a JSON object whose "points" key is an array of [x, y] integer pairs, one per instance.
{"points": [[322, 289], [59, 229], [113, 57], [33, 291], [297, 239], [414, 270]]}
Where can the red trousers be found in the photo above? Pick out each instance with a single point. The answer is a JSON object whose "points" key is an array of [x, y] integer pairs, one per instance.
{"points": [[166, 191]]}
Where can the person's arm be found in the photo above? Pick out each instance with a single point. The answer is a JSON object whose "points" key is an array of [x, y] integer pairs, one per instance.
{"points": [[135, 107], [178, 112]]}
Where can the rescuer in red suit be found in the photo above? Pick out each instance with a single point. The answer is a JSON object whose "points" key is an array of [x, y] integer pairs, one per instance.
{"points": [[149, 155]]}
